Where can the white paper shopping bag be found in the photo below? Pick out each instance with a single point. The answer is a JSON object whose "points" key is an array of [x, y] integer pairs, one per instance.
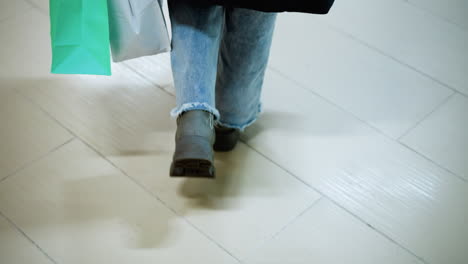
{"points": [[137, 28]]}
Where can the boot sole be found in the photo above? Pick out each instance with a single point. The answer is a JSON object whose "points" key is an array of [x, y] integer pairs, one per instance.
{"points": [[196, 168], [223, 148], [193, 158]]}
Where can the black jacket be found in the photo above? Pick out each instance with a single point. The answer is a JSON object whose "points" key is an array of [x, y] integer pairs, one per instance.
{"points": [[304, 6]]}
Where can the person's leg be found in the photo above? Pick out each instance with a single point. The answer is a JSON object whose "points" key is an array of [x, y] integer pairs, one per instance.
{"points": [[196, 33], [245, 48]]}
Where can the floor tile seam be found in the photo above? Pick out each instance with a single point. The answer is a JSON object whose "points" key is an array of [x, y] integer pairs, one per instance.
{"points": [[381, 52], [428, 115], [36, 160], [357, 217], [30, 240], [368, 125], [437, 16]]}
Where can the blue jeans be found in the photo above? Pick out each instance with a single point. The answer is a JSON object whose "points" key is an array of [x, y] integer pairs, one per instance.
{"points": [[219, 57]]}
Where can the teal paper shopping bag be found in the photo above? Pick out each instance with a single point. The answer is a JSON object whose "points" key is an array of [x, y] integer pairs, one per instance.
{"points": [[80, 37]]}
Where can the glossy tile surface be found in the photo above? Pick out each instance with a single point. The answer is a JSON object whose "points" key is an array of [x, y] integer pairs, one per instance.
{"points": [[156, 69], [408, 34], [24, 60], [327, 234], [41, 5], [26, 132], [81, 209], [10, 9], [378, 90], [16, 249], [451, 10], [250, 200], [443, 136], [392, 188]]}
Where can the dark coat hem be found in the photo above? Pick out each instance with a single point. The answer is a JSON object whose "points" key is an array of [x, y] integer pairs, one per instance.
{"points": [[320, 7]]}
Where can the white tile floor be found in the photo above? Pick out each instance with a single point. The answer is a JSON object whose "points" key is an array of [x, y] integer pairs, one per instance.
{"points": [[360, 156]]}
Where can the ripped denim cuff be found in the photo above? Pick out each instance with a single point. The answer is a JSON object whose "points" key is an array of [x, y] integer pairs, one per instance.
{"points": [[195, 106]]}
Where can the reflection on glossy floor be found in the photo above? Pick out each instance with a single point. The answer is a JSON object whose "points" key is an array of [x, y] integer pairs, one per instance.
{"points": [[361, 154]]}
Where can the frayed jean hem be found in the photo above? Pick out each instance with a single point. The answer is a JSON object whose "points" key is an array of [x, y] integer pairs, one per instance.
{"points": [[243, 126], [195, 106]]}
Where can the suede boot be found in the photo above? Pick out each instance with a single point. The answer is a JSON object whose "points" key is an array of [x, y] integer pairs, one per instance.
{"points": [[195, 136], [226, 138]]}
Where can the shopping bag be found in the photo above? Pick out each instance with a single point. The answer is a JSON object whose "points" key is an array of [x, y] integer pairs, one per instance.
{"points": [[137, 28], [80, 37]]}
